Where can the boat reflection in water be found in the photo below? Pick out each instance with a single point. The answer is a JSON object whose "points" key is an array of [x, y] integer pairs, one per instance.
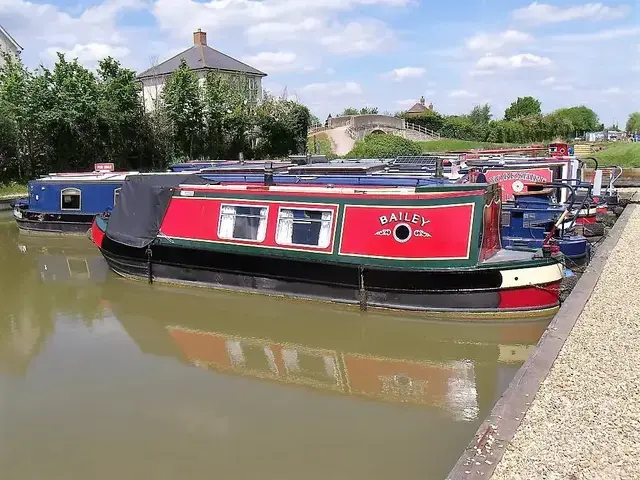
{"points": [[177, 383], [459, 368]]}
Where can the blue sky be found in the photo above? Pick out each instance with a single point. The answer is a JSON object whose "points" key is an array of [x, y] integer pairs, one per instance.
{"points": [[333, 54]]}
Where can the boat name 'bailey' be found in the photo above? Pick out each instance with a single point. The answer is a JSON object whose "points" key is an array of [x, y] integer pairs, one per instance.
{"points": [[404, 217]]}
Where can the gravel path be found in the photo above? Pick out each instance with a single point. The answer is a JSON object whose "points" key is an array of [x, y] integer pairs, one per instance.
{"points": [[584, 422]]}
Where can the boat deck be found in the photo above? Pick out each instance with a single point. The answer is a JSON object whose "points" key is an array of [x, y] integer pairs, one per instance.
{"points": [[505, 255]]}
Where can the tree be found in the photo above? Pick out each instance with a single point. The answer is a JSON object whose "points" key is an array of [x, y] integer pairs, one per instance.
{"points": [[480, 114], [369, 111], [349, 111], [121, 114], [384, 146], [633, 123], [523, 107], [581, 117], [181, 98]]}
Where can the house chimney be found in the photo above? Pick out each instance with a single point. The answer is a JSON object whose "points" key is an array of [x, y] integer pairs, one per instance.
{"points": [[422, 100], [199, 37]]}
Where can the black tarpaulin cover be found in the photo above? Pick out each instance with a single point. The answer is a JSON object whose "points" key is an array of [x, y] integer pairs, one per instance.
{"points": [[143, 201]]}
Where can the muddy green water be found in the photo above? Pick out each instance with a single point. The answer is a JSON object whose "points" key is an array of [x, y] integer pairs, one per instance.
{"points": [[105, 378]]}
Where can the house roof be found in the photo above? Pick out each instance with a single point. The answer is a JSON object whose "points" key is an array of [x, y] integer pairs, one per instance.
{"points": [[417, 108], [201, 57], [11, 39]]}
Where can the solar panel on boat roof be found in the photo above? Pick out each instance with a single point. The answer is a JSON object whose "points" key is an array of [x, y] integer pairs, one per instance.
{"points": [[423, 160], [344, 168]]}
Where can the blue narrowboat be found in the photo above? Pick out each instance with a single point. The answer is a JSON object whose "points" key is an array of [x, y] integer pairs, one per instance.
{"points": [[67, 202]]}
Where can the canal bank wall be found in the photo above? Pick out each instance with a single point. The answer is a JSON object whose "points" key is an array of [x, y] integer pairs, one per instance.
{"points": [[5, 202], [573, 409]]}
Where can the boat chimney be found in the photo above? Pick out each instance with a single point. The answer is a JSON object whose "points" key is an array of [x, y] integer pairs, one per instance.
{"points": [[439, 168], [268, 175]]}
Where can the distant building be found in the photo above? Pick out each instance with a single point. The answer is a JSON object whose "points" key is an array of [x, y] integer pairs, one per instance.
{"points": [[419, 108], [8, 45], [201, 59]]}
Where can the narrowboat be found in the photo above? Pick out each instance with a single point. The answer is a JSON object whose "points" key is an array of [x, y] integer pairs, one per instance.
{"points": [[434, 249], [67, 202], [528, 221]]}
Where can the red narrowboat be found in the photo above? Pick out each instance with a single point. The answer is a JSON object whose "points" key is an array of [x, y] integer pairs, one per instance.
{"points": [[432, 249]]}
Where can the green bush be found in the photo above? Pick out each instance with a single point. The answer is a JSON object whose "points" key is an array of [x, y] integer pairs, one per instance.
{"points": [[384, 146]]}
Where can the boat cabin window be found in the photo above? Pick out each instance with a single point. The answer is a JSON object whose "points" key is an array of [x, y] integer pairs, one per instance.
{"points": [[70, 199], [78, 267], [304, 227], [240, 222], [116, 195]]}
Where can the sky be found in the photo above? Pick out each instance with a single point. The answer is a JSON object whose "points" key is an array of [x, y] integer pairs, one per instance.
{"points": [[332, 54]]}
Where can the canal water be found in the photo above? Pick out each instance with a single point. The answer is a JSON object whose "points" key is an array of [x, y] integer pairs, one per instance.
{"points": [[106, 378]]}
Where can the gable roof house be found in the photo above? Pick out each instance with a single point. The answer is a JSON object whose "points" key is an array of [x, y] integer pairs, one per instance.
{"points": [[8, 45], [419, 108], [201, 59]]}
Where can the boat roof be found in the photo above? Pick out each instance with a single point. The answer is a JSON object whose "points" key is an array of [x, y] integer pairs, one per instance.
{"points": [[440, 190], [85, 176]]}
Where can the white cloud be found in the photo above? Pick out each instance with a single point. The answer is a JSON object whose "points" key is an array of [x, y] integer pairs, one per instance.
{"points": [[611, 34], [217, 15], [404, 73], [41, 28], [496, 41], [492, 63], [277, 62], [543, 13], [562, 88], [282, 31], [548, 81], [332, 89], [612, 91], [364, 36], [462, 94], [90, 53]]}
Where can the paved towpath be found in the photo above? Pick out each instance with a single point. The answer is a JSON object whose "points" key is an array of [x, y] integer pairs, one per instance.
{"points": [[584, 422], [341, 140]]}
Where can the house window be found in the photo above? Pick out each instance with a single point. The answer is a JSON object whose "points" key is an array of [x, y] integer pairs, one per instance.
{"points": [[304, 227], [70, 199], [116, 195], [239, 222]]}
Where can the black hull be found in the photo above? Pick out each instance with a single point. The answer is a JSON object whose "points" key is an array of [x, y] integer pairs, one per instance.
{"points": [[53, 227], [382, 289]]}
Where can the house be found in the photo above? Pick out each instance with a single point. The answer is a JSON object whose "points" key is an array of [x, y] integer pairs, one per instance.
{"points": [[419, 108], [201, 59], [8, 45]]}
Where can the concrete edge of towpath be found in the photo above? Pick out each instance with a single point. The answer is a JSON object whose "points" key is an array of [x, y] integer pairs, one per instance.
{"points": [[484, 452]]}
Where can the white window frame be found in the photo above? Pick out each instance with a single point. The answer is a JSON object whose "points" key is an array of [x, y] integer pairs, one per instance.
{"points": [[70, 191], [116, 195], [331, 211], [261, 238]]}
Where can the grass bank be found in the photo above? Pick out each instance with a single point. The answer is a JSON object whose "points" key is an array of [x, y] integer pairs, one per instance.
{"points": [[448, 144], [323, 143], [622, 154], [12, 189]]}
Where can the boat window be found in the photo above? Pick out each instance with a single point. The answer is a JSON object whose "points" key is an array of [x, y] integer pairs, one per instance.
{"points": [[116, 195], [238, 222], [78, 267], [304, 227], [70, 199]]}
